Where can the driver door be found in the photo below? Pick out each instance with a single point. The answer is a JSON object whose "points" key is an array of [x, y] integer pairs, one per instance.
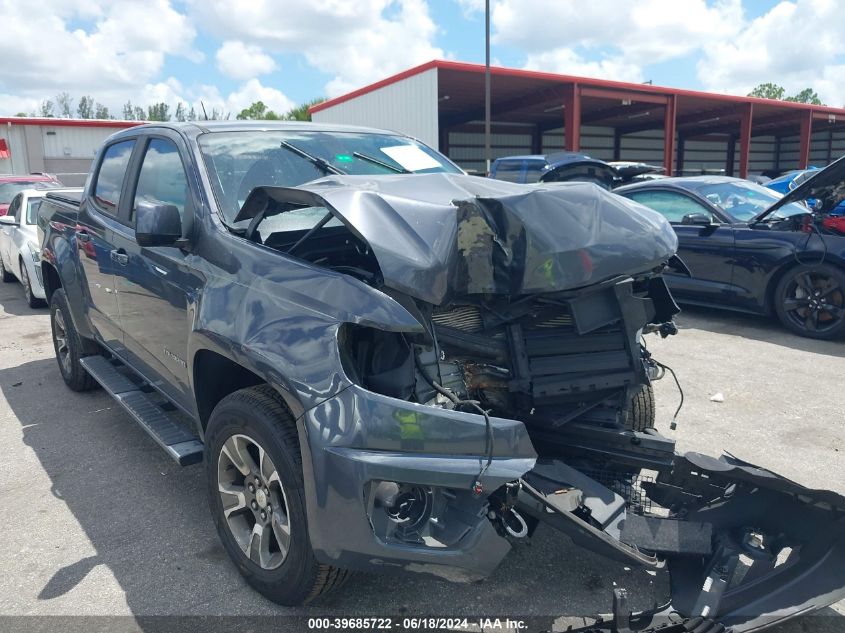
{"points": [[707, 249]]}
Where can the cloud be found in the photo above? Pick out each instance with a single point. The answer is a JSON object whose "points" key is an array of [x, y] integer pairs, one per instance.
{"points": [[125, 47], [568, 62], [354, 42], [240, 61], [795, 44]]}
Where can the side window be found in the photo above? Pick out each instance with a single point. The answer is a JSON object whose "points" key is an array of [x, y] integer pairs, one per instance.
{"points": [[162, 179], [110, 176], [672, 206], [510, 170], [15, 208]]}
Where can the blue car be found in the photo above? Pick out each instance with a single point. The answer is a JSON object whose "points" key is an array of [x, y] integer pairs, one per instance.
{"points": [[787, 182]]}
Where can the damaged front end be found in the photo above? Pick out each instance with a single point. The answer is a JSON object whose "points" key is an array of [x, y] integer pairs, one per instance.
{"points": [[513, 401]]}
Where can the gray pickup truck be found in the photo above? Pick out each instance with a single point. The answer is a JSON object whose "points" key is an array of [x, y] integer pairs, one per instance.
{"points": [[387, 364]]}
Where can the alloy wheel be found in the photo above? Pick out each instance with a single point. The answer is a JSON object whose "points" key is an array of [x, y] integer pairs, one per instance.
{"points": [[27, 288], [253, 501], [60, 335], [815, 302]]}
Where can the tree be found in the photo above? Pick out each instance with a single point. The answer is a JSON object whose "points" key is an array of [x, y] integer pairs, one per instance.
{"points": [[180, 112], [65, 103], [128, 111], [138, 114], [300, 112], [46, 109], [774, 91], [158, 112], [101, 112], [808, 95], [257, 111], [768, 90], [85, 109], [192, 114], [21, 114]]}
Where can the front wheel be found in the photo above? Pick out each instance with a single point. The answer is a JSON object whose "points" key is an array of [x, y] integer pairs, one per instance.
{"points": [[257, 497], [26, 282], [810, 301]]}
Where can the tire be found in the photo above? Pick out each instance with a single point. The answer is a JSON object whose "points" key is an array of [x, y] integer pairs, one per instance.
{"points": [[5, 274], [68, 345], [810, 301], [246, 423], [642, 415], [26, 282]]}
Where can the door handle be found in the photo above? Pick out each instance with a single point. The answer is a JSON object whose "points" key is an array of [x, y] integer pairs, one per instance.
{"points": [[120, 256], [83, 236]]}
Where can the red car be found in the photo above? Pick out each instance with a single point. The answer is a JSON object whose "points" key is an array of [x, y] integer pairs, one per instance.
{"points": [[11, 185]]}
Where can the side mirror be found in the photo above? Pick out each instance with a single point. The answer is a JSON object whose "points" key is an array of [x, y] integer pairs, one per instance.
{"points": [[698, 219], [157, 224], [8, 220]]}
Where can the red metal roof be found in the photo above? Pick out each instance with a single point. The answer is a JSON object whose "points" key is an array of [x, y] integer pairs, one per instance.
{"points": [[622, 86], [56, 122]]}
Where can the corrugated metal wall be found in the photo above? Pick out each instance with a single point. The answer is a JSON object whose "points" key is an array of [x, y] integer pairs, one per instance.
{"points": [[467, 148], [66, 151], [408, 106]]}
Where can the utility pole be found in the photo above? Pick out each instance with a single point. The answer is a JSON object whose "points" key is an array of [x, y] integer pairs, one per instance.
{"points": [[487, 153]]}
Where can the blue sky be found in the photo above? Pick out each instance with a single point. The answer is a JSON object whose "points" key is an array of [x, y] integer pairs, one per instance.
{"points": [[227, 54]]}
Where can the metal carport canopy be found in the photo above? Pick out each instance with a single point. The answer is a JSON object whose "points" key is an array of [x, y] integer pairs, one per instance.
{"points": [[550, 101]]}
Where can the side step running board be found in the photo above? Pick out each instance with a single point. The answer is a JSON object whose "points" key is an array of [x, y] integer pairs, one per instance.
{"points": [[180, 443]]}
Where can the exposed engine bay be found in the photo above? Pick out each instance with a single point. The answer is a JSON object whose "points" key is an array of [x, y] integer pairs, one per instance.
{"points": [[532, 306]]}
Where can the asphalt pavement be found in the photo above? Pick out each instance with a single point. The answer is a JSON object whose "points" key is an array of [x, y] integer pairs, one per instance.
{"points": [[97, 521]]}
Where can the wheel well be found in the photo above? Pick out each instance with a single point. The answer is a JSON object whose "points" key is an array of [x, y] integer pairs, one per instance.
{"points": [[51, 279], [215, 377]]}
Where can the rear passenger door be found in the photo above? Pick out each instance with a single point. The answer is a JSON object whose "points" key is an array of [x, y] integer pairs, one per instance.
{"points": [[95, 232], [154, 284]]}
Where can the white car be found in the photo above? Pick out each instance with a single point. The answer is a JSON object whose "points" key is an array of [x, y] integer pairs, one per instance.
{"points": [[20, 251]]}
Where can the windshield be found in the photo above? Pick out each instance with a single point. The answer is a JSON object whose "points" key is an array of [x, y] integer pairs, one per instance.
{"points": [[743, 201], [9, 190], [237, 162]]}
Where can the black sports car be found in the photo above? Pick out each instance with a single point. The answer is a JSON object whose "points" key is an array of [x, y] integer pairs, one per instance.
{"points": [[749, 249]]}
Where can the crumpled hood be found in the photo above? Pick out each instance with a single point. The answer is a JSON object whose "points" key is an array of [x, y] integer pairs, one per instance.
{"points": [[442, 235]]}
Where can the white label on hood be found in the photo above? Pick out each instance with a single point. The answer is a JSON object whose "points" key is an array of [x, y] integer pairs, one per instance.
{"points": [[411, 157]]}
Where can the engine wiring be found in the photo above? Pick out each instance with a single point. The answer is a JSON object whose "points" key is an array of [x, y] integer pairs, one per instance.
{"points": [[812, 227], [476, 487]]}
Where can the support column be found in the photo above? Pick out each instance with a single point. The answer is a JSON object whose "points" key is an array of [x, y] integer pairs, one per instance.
{"points": [[444, 140], [679, 160], [536, 140], [806, 133], [572, 118], [730, 159], [745, 139], [669, 134]]}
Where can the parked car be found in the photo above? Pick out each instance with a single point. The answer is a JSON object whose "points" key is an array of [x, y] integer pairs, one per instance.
{"points": [[751, 249], [785, 183], [567, 167], [388, 364], [11, 185], [20, 246]]}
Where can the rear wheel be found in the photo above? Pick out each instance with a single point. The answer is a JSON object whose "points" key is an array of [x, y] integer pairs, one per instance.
{"points": [[642, 415], [26, 282], [5, 274], [257, 497], [68, 345], [810, 301]]}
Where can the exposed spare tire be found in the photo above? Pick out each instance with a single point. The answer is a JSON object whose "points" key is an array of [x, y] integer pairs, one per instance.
{"points": [[642, 415]]}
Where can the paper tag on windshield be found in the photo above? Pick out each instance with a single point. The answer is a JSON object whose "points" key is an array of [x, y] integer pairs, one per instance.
{"points": [[410, 157]]}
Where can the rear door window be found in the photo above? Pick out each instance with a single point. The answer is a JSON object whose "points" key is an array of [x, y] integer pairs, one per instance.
{"points": [[510, 170], [110, 176]]}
